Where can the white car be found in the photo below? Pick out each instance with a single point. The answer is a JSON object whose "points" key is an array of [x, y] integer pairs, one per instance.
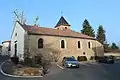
{"points": [[70, 62]]}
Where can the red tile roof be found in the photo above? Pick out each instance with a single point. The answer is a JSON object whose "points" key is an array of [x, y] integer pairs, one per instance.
{"points": [[54, 32]]}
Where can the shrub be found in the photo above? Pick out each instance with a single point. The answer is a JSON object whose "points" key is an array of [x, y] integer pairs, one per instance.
{"points": [[92, 58], [15, 60], [111, 57], [38, 60], [73, 57], [46, 61], [82, 58], [46, 56], [46, 64], [97, 57]]}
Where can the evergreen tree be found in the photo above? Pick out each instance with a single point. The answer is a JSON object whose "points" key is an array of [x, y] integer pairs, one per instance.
{"points": [[114, 46], [87, 29], [106, 46], [101, 37]]}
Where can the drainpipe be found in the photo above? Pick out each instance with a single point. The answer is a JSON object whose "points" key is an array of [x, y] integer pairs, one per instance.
{"points": [[95, 49]]}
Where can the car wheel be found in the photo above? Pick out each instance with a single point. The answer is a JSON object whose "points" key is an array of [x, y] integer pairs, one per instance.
{"points": [[78, 66], [65, 66]]}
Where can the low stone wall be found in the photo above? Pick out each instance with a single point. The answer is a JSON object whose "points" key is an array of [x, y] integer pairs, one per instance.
{"points": [[117, 55], [113, 54]]}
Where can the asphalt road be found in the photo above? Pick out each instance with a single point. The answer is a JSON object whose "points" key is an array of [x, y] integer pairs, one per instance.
{"points": [[87, 71]]}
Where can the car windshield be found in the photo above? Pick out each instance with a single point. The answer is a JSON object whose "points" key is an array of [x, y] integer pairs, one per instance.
{"points": [[70, 59]]}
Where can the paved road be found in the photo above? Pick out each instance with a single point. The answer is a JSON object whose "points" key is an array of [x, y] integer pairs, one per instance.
{"points": [[87, 71]]}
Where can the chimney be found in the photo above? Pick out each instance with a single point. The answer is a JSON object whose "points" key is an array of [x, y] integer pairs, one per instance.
{"points": [[35, 27]]}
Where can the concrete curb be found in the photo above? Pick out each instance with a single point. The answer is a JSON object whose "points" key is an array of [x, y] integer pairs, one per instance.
{"points": [[87, 61], [59, 66], [15, 75]]}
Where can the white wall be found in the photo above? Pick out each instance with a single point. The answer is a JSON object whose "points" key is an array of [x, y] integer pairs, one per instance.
{"points": [[5, 47], [19, 38]]}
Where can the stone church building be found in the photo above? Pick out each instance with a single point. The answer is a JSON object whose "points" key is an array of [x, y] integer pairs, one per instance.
{"points": [[28, 39]]}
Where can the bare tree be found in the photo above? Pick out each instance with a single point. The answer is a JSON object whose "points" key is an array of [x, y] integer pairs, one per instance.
{"points": [[19, 16], [48, 55], [45, 56]]}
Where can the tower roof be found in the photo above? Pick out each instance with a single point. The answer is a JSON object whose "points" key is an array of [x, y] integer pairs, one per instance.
{"points": [[62, 21]]}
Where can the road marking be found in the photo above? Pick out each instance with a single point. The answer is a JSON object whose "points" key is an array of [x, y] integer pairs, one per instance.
{"points": [[15, 75], [59, 66]]}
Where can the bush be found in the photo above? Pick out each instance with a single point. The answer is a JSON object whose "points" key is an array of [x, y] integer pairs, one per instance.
{"points": [[73, 57], [46, 64], [15, 60], [97, 57], [38, 60], [82, 58], [111, 57], [92, 58]]}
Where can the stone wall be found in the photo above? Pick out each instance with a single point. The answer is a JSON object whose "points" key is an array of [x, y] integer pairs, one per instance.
{"points": [[71, 49]]}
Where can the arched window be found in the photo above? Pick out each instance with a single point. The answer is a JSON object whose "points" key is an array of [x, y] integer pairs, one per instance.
{"points": [[62, 44], [89, 46], [79, 45], [40, 43]]}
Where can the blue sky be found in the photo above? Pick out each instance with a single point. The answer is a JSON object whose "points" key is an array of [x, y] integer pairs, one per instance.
{"points": [[98, 12]]}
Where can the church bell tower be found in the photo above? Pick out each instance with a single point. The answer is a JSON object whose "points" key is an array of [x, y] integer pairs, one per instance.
{"points": [[62, 24]]}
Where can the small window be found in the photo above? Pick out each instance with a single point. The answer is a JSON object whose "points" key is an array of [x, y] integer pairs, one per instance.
{"points": [[65, 27], [83, 53], [89, 45], [62, 44], [15, 34], [40, 43], [79, 45]]}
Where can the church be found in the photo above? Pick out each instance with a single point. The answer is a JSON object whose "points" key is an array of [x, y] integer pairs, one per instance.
{"points": [[32, 39]]}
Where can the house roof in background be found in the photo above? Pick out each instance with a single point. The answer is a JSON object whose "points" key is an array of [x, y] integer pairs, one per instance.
{"points": [[6, 41]]}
